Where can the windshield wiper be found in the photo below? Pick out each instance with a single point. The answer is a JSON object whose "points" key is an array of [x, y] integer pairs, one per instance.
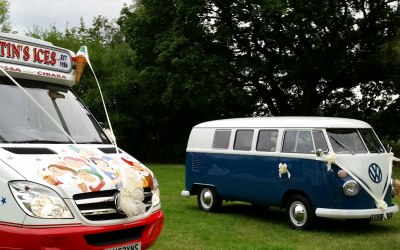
{"points": [[40, 141], [90, 142], [342, 145]]}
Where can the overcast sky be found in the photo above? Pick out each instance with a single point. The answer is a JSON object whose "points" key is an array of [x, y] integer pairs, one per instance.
{"points": [[25, 14]]}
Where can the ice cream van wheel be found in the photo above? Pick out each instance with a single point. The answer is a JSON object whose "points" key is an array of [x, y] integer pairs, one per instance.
{"points": [[208, 199], [300, 213]]}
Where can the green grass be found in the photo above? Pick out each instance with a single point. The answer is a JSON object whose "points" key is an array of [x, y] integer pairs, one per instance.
{"points": [[242, 226]]}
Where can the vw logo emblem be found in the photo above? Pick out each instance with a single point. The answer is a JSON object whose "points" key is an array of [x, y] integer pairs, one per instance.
{"points": [[375, 173]]}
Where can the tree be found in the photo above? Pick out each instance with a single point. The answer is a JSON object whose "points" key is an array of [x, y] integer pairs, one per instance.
{"points": [[289, 55], [178, 83], [215, 57], [4, 24]]}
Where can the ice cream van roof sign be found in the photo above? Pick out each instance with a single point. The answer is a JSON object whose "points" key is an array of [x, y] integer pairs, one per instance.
{"points": [[35, 55]]}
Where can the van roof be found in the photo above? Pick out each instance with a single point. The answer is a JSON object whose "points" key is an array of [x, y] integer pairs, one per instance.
{"points": [[285, 122]]}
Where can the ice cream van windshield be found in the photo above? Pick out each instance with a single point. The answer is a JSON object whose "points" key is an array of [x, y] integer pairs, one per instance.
{"points": [[22, 121], [353, 141]]}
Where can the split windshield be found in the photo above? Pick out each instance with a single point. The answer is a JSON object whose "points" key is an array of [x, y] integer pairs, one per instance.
{"points": [[22, 121], [353, 141]]}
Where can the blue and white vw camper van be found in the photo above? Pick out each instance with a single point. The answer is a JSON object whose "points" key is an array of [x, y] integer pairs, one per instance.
{"points": [[311, 166]]}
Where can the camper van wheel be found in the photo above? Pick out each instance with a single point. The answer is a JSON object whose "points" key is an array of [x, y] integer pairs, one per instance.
{"points": [[208, 199], [299, 212]]}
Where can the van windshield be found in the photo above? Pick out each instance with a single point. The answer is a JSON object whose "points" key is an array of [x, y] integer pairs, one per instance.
{"points": [[353, 141], [22, 121]]}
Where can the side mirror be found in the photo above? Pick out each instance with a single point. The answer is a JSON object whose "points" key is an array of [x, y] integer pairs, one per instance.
{"points": [[319, 153]]}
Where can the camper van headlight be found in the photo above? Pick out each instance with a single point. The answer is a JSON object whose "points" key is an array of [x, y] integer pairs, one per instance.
{"points": [[351, 188], [39, 201]]}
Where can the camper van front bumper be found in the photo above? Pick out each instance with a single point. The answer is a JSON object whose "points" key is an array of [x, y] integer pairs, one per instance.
{"points": [[185, 193], [356, 213]]}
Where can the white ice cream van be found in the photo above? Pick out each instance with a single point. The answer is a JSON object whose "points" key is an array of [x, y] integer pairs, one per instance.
{"points": [[63, 183], [311, 166]]}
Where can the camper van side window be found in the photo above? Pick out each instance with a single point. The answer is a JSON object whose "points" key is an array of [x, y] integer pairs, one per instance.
{"points": [[319, 141], [243, 139], [221, 138], [267, 140], [298, 142]]}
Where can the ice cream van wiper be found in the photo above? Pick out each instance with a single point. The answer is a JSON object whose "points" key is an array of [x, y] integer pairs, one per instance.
{"points": [[37, 104], [40, 141], [342, 145]]}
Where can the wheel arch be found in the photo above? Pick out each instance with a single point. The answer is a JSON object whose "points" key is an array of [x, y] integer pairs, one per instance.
{"points": [[196, 187], [289, 193]]}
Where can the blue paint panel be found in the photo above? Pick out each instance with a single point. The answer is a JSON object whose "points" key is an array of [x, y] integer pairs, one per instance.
{"points": [[256, 179]]}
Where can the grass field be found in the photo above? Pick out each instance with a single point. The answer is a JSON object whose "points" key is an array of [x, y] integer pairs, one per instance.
{"points": [[242, 226]]}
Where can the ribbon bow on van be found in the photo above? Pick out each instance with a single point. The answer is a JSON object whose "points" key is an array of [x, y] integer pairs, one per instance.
{"points": [[283, 170], [379, 201]]}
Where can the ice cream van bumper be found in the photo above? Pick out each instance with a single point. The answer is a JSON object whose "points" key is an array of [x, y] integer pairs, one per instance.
{"points": [[373, 214], [136, 235]]}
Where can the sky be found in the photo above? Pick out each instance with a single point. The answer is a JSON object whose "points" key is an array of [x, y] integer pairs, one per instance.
{"points": [[24, 15]]}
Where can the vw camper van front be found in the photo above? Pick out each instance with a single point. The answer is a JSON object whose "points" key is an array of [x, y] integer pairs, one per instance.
{"points": [[63, 184]]}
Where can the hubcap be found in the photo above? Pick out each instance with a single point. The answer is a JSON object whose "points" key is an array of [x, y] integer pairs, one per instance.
{"points": [[298, 213], [206, 198]]}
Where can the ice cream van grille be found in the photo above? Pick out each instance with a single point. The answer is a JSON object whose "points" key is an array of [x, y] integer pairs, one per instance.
{"points": [[110, 150], [98, 206], [29, 151]]}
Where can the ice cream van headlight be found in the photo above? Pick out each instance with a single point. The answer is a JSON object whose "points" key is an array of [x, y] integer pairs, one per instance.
{"points": [[156, 194], [351, 188], [39, 201]]}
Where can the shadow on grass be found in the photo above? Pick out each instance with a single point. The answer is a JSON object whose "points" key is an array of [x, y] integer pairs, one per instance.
{"points": [[276, 216], [248, 212]]}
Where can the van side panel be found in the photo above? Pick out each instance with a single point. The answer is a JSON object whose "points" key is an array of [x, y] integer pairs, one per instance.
{"points": [[256, 179]]}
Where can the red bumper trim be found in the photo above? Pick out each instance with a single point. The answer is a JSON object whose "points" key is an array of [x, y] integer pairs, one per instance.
{"points": [[72, 237]]}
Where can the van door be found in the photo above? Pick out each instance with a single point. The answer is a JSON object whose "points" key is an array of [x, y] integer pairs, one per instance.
{"points": [[304, 172]]}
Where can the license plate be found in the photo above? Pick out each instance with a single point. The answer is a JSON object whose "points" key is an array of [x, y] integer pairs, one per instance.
{"points": [[135, 246], [378, 217]]}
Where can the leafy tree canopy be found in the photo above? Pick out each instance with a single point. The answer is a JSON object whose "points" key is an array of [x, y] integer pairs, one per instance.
{"points": [[267, 57], [4, 24]]}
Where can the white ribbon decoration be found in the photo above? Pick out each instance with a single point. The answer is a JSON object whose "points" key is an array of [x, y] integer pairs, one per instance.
{"points": [[131, 192], [283, 170], [380, 203], [131, 202]]}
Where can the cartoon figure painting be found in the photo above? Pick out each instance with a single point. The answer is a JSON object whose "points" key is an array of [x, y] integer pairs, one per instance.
{"points": [[55, 172], [92, 177], [144, 173], [89, 171], [108, 168]]}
